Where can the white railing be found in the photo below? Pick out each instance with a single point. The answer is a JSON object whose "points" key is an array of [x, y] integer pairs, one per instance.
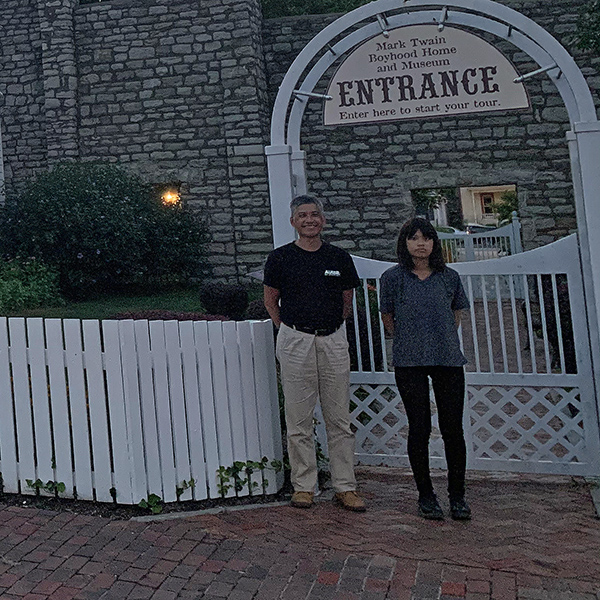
{"points": [[496, 243], [125, 409]]}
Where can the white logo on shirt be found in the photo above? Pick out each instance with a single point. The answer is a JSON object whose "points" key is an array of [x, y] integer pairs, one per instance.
{"points": [[330, 273]]}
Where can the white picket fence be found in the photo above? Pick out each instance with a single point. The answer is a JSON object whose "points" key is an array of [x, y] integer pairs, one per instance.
{"points": [[484, 245], [129, 408]]}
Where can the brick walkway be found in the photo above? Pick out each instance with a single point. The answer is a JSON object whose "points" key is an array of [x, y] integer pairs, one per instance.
{"points": [[533, 537]]}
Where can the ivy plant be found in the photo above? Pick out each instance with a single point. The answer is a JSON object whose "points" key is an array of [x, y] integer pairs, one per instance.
{"points": [[52, 487], [153, 503], [239, 475], [183, 486]]}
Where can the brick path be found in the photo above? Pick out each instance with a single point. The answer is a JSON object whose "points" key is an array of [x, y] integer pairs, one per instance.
{"points": [[533, 537]]}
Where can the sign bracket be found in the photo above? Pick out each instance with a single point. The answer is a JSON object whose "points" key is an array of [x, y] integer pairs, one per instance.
{"points": [[537, 72], [443, 18], [299, 94], [383, 23]]}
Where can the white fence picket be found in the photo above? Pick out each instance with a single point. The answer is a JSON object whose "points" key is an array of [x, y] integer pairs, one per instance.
{"points": [[78, 400], [193, 412], [8, 439], [97, 410], [249, 405], [161, 401], [234, 396], [219, 375], [146, 404], [133, 412], [268, 409], [121, 451], [207, 403], [45, 459], [22, 398], [120, 410], [178, 412], [59, 404]]}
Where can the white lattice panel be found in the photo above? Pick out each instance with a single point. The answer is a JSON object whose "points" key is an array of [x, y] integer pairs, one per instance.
{"points": [[381, 428], [519, 428], [539, 424]]}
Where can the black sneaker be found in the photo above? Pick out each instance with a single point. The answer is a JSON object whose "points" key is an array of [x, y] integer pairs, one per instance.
{"points": [[460, 510], [429, 508]]}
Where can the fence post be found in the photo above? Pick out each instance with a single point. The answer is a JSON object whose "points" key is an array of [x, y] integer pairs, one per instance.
{"points": [[515, 234], [469, 248]]}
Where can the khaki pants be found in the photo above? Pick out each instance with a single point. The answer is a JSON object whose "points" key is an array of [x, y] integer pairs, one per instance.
{"points": [[317, 367]]}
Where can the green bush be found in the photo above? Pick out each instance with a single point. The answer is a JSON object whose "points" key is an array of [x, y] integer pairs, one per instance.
{"points": [[27, 284], [505, 207], [588, 27], [176, 247], [104, 230]]}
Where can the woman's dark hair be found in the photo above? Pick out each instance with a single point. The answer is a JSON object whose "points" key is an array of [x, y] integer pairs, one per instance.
{"points": [[436, 259]]}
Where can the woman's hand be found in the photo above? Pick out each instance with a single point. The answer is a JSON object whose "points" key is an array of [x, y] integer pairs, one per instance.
{"points": [[388, 323], [457, 317]]}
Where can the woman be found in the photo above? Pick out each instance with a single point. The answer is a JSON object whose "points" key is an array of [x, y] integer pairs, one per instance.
{"points": [[421, 300]]}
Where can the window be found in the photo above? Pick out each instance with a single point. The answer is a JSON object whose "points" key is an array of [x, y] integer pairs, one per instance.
{"points": [[487, 201]]}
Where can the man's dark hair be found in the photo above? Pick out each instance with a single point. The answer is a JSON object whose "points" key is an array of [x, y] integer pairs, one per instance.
{"points": [[436, 259], [306, 199]]}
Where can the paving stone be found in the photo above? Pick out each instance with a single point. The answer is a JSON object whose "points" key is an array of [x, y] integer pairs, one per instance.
{"points": [[524, 523]]}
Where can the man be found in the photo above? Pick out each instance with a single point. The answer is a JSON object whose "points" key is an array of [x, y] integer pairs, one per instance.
{"points": [[308, 290]]}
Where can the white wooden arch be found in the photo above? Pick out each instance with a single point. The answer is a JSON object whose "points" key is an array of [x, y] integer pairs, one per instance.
{"points": [[286, 160]]}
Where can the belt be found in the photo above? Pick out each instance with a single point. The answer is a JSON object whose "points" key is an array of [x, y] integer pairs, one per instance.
{"points": [[313, 331]]}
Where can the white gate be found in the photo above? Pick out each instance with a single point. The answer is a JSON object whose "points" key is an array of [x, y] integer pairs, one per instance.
{"points": [[530, 399], [463, 247]]}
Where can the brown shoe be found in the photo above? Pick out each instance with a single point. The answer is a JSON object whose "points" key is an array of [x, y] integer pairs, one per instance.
{"points": [[302, 499], [351, 501]]}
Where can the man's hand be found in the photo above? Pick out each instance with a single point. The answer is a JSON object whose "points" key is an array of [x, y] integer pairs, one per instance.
{"points": [[271, 299], [348, 295]]}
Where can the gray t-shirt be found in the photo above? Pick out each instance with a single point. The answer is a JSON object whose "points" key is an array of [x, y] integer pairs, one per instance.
{"points": [[424, 327]]}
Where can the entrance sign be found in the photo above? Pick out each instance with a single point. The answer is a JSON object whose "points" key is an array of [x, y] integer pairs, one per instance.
{"points": [[421, 72]]}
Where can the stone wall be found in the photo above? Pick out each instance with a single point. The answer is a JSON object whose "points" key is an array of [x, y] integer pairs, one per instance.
{"points": [[181, 91], [175, 91], [22, 114]]}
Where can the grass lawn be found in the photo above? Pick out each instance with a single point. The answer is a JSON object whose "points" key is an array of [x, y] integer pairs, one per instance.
{"points": [[104, 308]]}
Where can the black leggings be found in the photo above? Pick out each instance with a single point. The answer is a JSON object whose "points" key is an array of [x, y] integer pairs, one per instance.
{"points": [[449, 391]]}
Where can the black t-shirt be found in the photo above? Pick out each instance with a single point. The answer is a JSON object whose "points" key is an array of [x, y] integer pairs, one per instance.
{"points": [[311, 284]]}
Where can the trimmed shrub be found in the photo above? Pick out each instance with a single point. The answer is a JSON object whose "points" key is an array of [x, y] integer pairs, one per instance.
{"points": [[27, 284], [167, 315], [256, 311], [224, 299], [104, 230]]}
